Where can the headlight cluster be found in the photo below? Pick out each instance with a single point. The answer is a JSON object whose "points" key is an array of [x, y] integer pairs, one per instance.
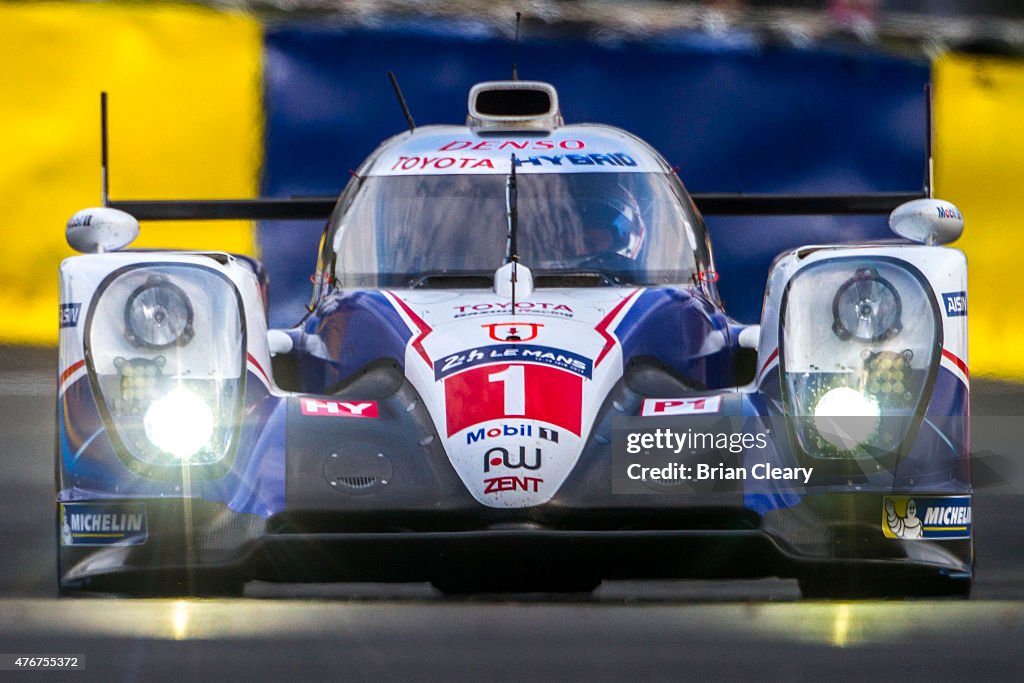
{"points": [[867, 308], [158, 314], [166, 351], [855, 368]]}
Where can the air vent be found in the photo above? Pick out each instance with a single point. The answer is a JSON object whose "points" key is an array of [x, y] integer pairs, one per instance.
{"points": [[358, 473], [357, 482], [513, 105]]}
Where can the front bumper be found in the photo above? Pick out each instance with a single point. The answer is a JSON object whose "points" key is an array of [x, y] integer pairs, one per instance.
{"points": [[827, 532]]}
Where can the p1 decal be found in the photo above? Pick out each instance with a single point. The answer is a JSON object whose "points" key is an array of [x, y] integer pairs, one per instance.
{"points": [[315, 406], [69, 315], [954, 303], [500, 391], [103, 524], [926, 517], [513, 332], [680, 406]]}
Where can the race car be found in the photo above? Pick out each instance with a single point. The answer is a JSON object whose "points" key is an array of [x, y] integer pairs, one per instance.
{"points": [[516, 374]]}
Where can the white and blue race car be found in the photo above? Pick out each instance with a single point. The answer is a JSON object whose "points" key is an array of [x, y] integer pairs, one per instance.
{"points": [[515, 374]]}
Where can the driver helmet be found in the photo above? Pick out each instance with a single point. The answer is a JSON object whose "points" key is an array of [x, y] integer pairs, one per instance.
{"points": [[618, 228]]}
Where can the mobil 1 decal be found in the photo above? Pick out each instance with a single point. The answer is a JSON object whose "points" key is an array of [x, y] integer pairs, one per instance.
{"points": [[513, 429]]}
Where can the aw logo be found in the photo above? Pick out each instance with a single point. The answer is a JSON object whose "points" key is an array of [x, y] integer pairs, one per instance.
{"points": [[502, 457], [954, 303]]}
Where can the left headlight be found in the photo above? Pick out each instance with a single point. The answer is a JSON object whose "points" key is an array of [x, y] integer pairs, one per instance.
{"points": [[166, 350], [855, 366], [158, 314]]}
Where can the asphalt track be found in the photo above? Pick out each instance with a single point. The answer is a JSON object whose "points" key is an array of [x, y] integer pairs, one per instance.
{"points": [[625, 630]]}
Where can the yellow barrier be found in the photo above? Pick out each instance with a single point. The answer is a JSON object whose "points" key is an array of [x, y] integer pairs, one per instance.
{"points": [[979, 166], [185, 122]]}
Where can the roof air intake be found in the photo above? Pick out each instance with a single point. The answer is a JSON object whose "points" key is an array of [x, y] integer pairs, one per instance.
{"points": [[513, 105]]}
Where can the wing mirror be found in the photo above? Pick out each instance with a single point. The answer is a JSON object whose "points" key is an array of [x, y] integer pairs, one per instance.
{"points": [[94, 231], [927, 221]]}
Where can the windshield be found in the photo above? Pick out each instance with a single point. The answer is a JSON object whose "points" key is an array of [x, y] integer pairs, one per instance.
{"points": [[635, 228]]}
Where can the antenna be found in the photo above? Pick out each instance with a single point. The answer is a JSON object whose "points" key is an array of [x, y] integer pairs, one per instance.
{"points": [[515, 51], [104, 174], [929, 171], [512, 249], [401, 101]]}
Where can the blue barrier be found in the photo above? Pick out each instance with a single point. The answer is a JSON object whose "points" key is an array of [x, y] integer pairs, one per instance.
{"points": [[733, 116]]}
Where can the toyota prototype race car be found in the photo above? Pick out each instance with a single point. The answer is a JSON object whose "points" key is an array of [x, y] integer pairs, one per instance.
{"points": [[516, 374]]}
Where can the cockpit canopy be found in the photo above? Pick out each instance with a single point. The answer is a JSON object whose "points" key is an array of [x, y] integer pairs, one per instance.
{"points": [[596, 204]]}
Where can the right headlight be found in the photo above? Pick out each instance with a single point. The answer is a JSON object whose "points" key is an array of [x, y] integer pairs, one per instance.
{"points": [[859, 344], [166, 349]]}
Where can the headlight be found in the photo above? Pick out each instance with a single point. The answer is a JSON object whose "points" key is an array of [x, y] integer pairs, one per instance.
{"points": [[179, 422], [867, 307], [845, 417], [166, 351], [158, 314], [854, 369]]}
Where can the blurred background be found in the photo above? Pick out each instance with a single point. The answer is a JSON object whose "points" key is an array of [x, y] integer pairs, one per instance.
{"points": [[234, 99]]}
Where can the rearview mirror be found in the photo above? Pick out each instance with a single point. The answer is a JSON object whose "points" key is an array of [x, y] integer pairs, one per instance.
{"points": [[927, 221]]}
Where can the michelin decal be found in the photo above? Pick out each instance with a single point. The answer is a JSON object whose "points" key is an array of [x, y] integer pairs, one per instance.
{"points": [[918, 517], [103, 524]]}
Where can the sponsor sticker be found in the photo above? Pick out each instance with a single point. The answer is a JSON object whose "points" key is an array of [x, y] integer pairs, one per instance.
{"points": [[513, 332], [500, 392], [500, 353], [315, 406], [506, 430], [69, 315], [87, 524], [499, 484], [680, 406], [502, 307], [955, 303], [498, 145], [609, 159], [926, 517], [513, 458]]}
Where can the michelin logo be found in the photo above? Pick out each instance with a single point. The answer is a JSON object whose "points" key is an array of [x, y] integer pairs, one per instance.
{"points": [[103, 524], [907, 517]]}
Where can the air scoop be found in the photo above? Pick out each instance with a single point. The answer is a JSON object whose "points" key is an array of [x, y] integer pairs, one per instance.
{"points": [[513, 105]]}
